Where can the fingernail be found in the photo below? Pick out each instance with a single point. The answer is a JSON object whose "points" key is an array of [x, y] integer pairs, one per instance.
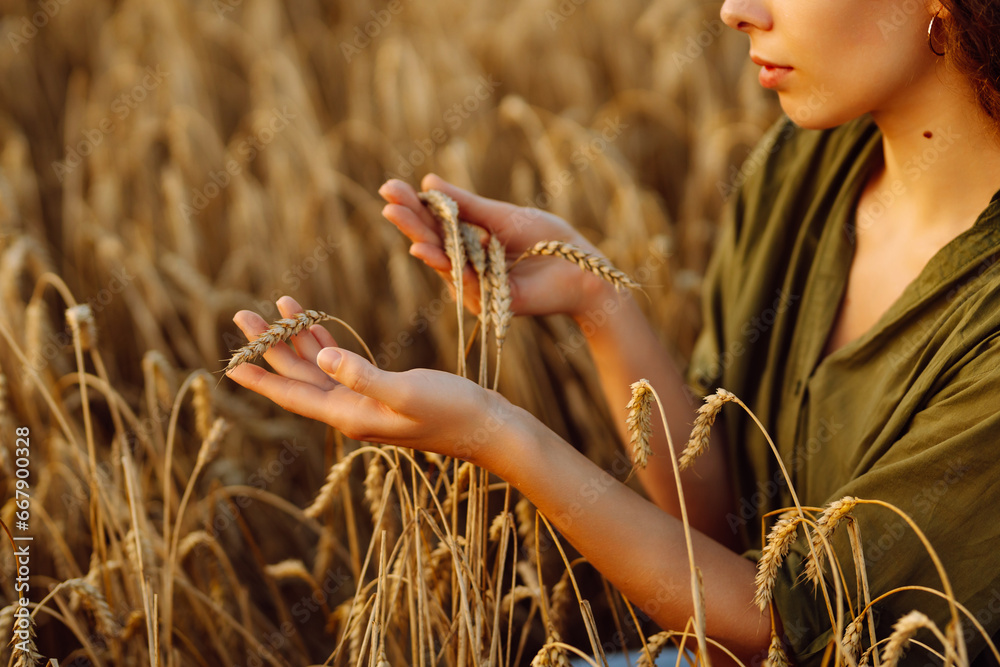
{"points": [[329, 359]]}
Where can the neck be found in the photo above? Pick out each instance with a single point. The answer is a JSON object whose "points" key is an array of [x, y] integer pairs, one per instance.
{"points": [[941, 159]]}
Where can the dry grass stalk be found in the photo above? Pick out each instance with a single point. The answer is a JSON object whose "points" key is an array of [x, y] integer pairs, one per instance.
{"points": [[589, 262], [445, 211], [81, 322], [779, 541], [701, 431], [639, 421], [835, 512], [500, 298], [776, 655], [902, 632]]}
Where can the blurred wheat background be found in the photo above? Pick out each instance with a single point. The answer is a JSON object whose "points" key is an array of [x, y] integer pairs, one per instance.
{"points": [[169, 162]]}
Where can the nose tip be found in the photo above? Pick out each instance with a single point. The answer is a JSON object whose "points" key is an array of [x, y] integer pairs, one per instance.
{"points": [[744, 14]]}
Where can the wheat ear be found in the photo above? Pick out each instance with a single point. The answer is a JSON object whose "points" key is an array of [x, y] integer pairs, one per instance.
{"points": [[445, 211], [282, 330], [472, 237], [500, 298], [779, 541], [902, 633], [835, 512], [700, 432], [587, 261], [851, 642], [640, 410], [776, 656]]}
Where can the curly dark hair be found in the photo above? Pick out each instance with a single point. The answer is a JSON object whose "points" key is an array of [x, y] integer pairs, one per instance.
{"points": [[972, 41]]}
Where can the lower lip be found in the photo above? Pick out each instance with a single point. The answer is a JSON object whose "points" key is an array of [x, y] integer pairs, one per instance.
{"points": [[771, 77]]}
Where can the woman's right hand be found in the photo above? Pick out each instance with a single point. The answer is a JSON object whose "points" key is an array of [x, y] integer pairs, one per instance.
{"points": [[539, 285]]}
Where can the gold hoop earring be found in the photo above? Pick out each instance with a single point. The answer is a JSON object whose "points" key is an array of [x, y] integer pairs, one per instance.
{"points": [[930, 36]]}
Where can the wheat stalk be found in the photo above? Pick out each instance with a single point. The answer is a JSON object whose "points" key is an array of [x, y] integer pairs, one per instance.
{"points": [[201, 391], [473, 237], [776, 655], [587, 261], [701, 431], [81, 322], [500, 298], [95, 603], [374, 485], [835, 512], [280, 331], [902, 632], [851, 642], [779, 541], [654, 646], [445, 211], [640, 410]]}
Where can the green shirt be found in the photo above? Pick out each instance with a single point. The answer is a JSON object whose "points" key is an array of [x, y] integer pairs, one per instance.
{"points": [[908, 413]]}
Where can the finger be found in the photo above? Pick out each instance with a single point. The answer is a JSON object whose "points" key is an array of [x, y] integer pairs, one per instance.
{"points": [[359, 375], [396, 191], [305, 342], [324, 337], [302, 398], [281, 357], [413, 224], [433, 256]]}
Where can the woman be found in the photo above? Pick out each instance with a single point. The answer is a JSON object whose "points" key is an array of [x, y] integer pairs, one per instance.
{"points": [[853, 303]]}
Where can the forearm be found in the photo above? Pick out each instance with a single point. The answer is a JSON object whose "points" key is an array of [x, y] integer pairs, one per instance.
{"points": [[625, 349], [637, 546]]}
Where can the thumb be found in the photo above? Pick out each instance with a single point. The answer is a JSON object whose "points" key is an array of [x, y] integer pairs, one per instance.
{"points": [[356, 373]]}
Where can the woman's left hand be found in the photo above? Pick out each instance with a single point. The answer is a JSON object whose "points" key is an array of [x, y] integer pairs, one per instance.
{"points": [[421, 409]]}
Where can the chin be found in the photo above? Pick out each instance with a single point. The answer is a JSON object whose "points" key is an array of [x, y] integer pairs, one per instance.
{"points": [[813, 115]]}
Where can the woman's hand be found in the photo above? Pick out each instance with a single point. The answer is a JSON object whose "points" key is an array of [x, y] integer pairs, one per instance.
{"points": [[420, 409], [539, 285]]}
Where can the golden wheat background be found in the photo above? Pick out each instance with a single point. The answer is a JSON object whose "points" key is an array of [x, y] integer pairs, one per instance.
{"points": [[168, 162]]}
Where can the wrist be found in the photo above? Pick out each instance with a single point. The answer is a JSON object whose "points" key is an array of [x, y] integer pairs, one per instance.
{"points": [[508, 436]]}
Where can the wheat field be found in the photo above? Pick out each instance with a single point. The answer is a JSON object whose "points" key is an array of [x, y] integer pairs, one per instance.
{"points": [[166, 163]]}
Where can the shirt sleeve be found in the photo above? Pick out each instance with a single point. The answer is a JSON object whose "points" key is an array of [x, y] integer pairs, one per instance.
{"points": [[943, 472]]}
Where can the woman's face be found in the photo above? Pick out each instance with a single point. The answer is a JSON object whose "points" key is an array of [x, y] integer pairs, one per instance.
{"points": [[833, 60]]}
